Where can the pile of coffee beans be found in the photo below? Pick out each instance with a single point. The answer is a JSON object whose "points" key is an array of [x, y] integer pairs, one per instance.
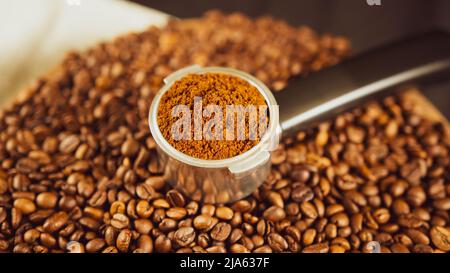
{"points": [[79, 170]]}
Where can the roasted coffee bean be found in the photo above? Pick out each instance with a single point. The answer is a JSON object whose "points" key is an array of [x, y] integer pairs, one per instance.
{"points": [[221, 231], [163, 244], [144, 209], [238, 248], [203, 222], [263, 249], [117, 207], [56, 222], [3, 186], [309, 210], [75, 247], [175, 198], [317, 248], [25, 206], [184, 236], [145, 243], [145, 191], [224, 213], [47, 200], [277, 242], [274, 214], [95, 245], [440, 236], [123, 240], [302, 194], [88, 178], [69, 144], [143, 226], [89, 223], [216, 249], [120, 221]]}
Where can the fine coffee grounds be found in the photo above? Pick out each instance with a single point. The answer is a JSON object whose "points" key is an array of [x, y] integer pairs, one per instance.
{"points": [[218, 89]]}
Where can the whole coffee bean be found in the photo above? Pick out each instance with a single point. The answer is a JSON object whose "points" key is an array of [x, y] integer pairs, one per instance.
{"points": [[263, 249], [89, 223], [440, 236], [161, 203], [277, 242], [317, 248], [309, 210], [274, 214], [175, 198], [47, 240], [145, 191], [124, 240], [381, 215], [144, 209], [117, 207], [95, 245], [3, 186], [75, 247], [203, 222], [27, 165], [163, 244], [25, 206], [120, 221], [302, 193], [242, 206], [399, 248], [143, 226], [422, 249], [216, 249], [47, 200], [31, 236], [224, 213], [300, 173], [416, 196], [130, 147], [110, 249], [340, 219], [145, 243], [309, 236], [238, 248], [56, 222], [410, 221], [275, 199], [39, 216], [69, 144], [418, 237], [2, 214], [176, 213], [236, 235], [221, 231], [442, 204], [110, 235], [167, 225], [184, 236]]}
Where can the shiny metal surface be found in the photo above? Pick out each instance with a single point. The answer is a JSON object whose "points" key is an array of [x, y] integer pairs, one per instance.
{"points": [[421, 59]]}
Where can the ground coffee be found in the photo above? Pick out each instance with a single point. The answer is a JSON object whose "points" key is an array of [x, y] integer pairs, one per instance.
{"points": [[210, 89]]}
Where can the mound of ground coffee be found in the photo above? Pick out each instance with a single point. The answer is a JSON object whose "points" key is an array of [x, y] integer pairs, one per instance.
{"points": [[210, 89]]}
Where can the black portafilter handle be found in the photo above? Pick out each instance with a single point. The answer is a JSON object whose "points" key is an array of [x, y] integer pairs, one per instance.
{"points": [[375, 73]]}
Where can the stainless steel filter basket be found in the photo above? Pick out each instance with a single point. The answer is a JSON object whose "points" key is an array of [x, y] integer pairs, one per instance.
{"points": [[217, 181]]}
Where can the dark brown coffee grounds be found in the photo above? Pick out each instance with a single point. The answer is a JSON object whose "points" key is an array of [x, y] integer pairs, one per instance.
{"points": [[214, 89]]}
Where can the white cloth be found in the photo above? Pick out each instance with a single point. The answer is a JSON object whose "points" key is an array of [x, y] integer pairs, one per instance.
{"points": [[34, 35]]}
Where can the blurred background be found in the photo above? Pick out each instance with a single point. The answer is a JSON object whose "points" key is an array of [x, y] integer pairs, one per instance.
{"points": [[366, 26], [35, 34]]}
